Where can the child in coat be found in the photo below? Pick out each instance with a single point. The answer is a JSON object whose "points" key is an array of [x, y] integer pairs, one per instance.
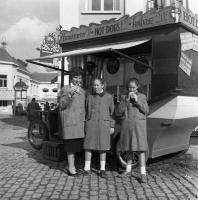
{"points": [[133, 135], [99, 125]]}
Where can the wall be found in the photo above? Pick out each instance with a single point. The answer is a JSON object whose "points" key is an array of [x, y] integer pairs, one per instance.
{"points": [[50, 94], [6, 69], [69, 13], [73, 13]]}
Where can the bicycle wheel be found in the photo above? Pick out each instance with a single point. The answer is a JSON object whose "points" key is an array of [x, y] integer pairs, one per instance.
{"points": [[123, 156], [37, 133]]}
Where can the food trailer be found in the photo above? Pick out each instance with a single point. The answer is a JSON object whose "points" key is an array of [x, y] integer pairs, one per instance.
{"points": [[160, 48]]}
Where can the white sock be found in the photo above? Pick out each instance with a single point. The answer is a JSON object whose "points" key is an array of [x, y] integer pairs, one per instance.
{"points": [[128, 168], [87, 165], [143, 170], [102, 165]]}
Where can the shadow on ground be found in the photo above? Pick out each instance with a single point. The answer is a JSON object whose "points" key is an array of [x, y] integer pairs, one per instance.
{"points": [[112, 163], [19, 121]]}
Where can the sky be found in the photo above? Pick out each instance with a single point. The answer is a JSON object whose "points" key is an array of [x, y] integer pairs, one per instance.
{"points": [[24, 23]]}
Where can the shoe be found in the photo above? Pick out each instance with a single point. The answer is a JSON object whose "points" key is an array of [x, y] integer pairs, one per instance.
{"points": [[69, 173], [103, 174], [86, 172], [124, 174], [143, 178]]}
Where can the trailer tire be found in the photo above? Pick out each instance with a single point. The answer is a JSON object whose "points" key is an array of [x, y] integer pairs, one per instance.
{"points": [[37, 133]]}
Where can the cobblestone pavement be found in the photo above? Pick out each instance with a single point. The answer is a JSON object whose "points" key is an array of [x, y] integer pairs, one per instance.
{"points": [[24, 174]]}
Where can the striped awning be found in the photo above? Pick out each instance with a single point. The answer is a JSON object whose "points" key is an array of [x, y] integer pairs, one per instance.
{"points": [[6, 95]]}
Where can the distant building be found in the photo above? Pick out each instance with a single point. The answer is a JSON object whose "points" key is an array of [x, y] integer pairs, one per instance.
{"points": [[47, 91], [18, 86]]}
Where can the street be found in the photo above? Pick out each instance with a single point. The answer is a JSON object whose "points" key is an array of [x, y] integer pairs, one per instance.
{"points": [[24, 174]]}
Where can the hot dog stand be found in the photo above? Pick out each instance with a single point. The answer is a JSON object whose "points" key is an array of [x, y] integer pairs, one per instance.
{"points": [[160, 48]]}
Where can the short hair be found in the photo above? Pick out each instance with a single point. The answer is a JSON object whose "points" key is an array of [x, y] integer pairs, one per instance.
{"points": [[33, 99]]}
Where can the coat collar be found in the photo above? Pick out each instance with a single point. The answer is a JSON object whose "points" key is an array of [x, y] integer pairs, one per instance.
{"points": [[100, 95]]}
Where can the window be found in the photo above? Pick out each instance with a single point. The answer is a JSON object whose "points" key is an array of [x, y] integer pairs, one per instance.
{"points": [[3, 103], [54, 90], [45, 90], [3, 80], [155, 4], [103, 5]]}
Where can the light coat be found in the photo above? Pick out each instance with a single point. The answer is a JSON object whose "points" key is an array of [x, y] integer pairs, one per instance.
{"points": [[133, 135], [72, 113], [99, 111]]}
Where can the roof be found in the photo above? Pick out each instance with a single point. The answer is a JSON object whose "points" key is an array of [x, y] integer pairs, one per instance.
{"points": [[43, 77], [5, 56]]}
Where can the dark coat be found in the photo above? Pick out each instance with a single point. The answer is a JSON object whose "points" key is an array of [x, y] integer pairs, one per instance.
{"points": [[72, 113], [133, 135], [33, 111], [99, 111]]}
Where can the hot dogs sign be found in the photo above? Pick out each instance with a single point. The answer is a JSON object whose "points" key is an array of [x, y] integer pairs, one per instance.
{"points": [[138, 21]]}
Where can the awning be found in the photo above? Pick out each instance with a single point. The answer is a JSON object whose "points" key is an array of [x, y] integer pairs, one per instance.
{"points": [[93, 50], [85, 51], [6, 95]]}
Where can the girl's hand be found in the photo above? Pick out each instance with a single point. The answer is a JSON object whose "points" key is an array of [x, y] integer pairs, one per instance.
{"points": [[134, 96], [111, 131]]}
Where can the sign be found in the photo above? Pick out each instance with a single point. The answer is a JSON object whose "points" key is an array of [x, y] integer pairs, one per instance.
{"points": [[185, 64], [195, 44], [188, 18], [189, 41], [152, 18], [186, 41]]}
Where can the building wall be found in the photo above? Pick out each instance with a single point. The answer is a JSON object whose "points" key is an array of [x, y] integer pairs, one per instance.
{"points": [[7, 69], [73, 13], [47, 95]]}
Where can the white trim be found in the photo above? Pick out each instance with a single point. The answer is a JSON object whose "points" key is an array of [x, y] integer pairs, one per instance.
{"points": [[88, 7]]}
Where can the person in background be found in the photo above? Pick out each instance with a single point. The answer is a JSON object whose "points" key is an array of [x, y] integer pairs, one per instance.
{"points": [[72, 115], [33, 110], [99, 125], [52, 106], [46, 109], [133, 135]]}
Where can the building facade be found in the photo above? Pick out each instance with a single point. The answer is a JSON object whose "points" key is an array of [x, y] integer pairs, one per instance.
{"points": [[83, 12], [18, 86]]}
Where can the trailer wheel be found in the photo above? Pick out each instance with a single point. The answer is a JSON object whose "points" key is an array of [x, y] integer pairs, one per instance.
{"points": [[37, 133]]}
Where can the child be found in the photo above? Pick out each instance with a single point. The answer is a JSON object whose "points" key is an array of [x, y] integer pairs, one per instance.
{"points": [[133, 136], [99, 125]]}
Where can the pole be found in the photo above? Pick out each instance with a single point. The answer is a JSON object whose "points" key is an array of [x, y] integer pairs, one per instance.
{"points": [[62, 71]]}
